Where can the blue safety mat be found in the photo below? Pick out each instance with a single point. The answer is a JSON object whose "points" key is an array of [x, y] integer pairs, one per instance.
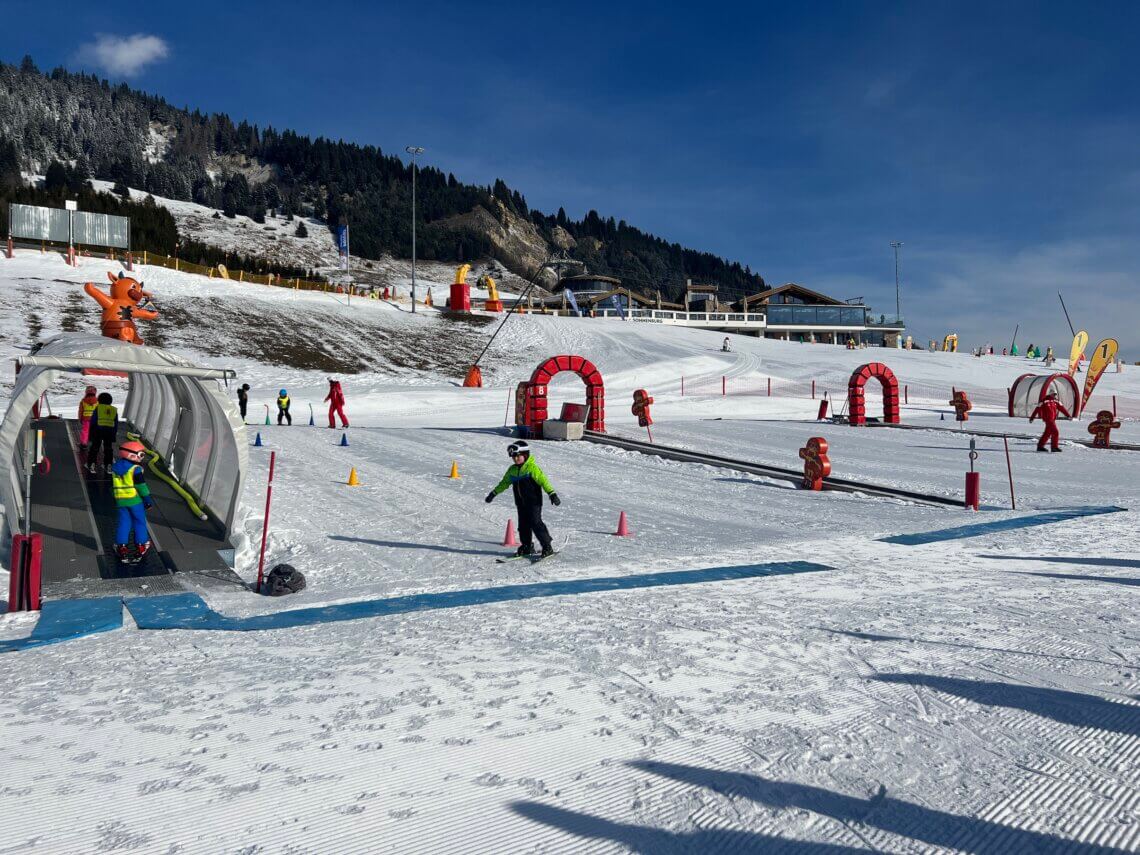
{"points": [[189, 611], [63, 620], [977, 529]]}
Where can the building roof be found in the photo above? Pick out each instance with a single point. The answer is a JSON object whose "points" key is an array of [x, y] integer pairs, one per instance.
{"points": [[568, 281], [792, 288]]}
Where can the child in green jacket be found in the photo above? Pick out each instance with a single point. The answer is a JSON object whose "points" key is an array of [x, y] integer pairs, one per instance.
{"points": [[528, 482]]}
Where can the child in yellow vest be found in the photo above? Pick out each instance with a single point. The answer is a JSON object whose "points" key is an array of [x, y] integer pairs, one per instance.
{"points": [[104, 423], [132, 498]]}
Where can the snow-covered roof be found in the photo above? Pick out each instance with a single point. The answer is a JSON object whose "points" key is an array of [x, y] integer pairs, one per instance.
{"points": [[177, 407]]}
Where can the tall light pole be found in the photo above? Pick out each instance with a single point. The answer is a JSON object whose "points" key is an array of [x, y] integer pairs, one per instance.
{"points": [[896, 244], [413, 150]]}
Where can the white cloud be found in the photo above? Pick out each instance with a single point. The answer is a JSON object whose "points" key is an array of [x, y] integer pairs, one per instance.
{"points": [[124, 55]]}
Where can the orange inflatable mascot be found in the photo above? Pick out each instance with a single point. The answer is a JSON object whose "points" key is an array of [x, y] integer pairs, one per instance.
{"points": [[126, 303]]}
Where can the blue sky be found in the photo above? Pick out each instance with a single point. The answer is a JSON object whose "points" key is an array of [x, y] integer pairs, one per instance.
{"points": [[997, 141]]}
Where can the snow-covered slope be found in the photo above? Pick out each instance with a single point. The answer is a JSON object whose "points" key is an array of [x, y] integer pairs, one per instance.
{"points": [[977, 694]]}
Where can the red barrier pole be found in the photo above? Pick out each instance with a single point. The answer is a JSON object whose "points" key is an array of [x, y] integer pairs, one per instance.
{"points": [[723, 386], [769, 387], [265, 527], [648, 431], [813, 390], [1009, 466], [1114, 406]]}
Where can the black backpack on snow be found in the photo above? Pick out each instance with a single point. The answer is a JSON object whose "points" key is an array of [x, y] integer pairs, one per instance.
{"points": [[284, 579]]}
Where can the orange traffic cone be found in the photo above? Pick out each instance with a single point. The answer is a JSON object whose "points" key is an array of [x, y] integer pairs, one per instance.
{"points": [[510, 538], [623, 527], [353, 481], [454, 470]]}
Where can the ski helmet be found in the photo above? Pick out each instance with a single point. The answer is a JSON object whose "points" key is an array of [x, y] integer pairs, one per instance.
{"points": [[284, 394], [516, 448], [132, 450]]}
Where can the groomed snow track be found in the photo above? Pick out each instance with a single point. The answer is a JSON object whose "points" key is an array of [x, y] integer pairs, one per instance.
{"points": [[779, 473]]}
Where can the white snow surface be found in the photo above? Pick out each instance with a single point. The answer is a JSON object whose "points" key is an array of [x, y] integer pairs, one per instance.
{"points": [[973, 695]]}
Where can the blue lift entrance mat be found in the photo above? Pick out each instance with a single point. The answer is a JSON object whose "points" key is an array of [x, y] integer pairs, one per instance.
{"points": [[977, 529]]}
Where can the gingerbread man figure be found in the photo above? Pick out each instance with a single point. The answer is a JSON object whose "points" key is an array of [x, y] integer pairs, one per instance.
{"points": [[961, 405], [126, 303], [1102, 427], [817, 465]]}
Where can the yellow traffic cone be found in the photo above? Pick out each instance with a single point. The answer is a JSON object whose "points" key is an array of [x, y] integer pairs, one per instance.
{"points": [[454, 470], [353, 481]]}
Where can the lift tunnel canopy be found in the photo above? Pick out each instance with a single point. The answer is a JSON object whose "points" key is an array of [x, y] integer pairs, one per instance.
{"points": [[178, 407]]}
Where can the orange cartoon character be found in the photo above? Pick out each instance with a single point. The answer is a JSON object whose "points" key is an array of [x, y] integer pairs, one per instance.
{"points": [[962, 406], [817, 465], [126, 303], [1102, 427]]}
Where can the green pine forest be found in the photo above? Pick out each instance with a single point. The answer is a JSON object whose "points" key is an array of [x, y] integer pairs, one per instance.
{"points": [[74, 126]]}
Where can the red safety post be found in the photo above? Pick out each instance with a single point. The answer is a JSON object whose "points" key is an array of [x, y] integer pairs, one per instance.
{"points": [[973, 480], [24, 579], [11, 250], [265, 526], [1114, 406], [822, 414], [813, 390], [1009, 466], [769, 387]]}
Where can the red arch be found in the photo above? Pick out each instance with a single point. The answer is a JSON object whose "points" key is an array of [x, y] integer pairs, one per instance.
{"points": [[856, 404], [534, 396]]}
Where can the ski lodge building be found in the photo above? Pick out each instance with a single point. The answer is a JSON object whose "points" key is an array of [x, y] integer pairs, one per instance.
{"points": [[790, 312]]}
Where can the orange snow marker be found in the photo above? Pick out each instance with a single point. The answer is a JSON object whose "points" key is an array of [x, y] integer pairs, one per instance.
{"points": [[353, 481], [474, 378], [623, 527], [510, 538], [454, 470]]}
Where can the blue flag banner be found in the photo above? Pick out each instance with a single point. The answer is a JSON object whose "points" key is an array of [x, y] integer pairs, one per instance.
{"points": [[617, 305], [573, 301], [342, 239]]}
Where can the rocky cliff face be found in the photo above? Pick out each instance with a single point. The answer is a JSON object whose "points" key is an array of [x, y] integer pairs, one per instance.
{"points": [[517, 243]]}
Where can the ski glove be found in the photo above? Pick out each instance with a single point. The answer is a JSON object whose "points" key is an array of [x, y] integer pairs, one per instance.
{"points": [[554, 500], [148, 503], [490, 497]]}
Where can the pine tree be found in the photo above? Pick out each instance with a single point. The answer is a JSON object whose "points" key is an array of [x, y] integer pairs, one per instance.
{"points": [[301, 231]]}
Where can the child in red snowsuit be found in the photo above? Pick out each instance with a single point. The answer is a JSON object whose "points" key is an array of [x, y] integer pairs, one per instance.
{"points": [[335, 398], [86, 408], [1047, 411]]}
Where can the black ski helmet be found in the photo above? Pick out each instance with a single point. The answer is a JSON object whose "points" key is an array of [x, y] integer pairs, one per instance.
{"points": [[519, 447]]}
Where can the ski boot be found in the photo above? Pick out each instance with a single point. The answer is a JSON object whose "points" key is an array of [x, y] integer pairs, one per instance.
{"points": [[547, 551], [524, 550], [143, 548], [1057, 450], [109, 469], [124, 554]]}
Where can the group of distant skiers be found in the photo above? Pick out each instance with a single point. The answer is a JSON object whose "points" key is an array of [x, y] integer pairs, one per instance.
{"points": [[335, 399]]}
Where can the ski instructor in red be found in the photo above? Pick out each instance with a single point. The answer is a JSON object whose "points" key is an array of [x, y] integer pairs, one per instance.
{"points": [[1047, 411], [335, 397], [528, 483]]}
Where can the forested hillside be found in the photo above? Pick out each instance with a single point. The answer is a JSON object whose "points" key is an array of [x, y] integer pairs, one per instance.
{"points": [[139, 140]]}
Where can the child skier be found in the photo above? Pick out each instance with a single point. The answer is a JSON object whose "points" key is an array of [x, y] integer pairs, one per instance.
{"points": [[528, 483], [243, 400], [104, 423], [335, 398], [1047, 411], [132, 498], [86, 408], [283, 407]]}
